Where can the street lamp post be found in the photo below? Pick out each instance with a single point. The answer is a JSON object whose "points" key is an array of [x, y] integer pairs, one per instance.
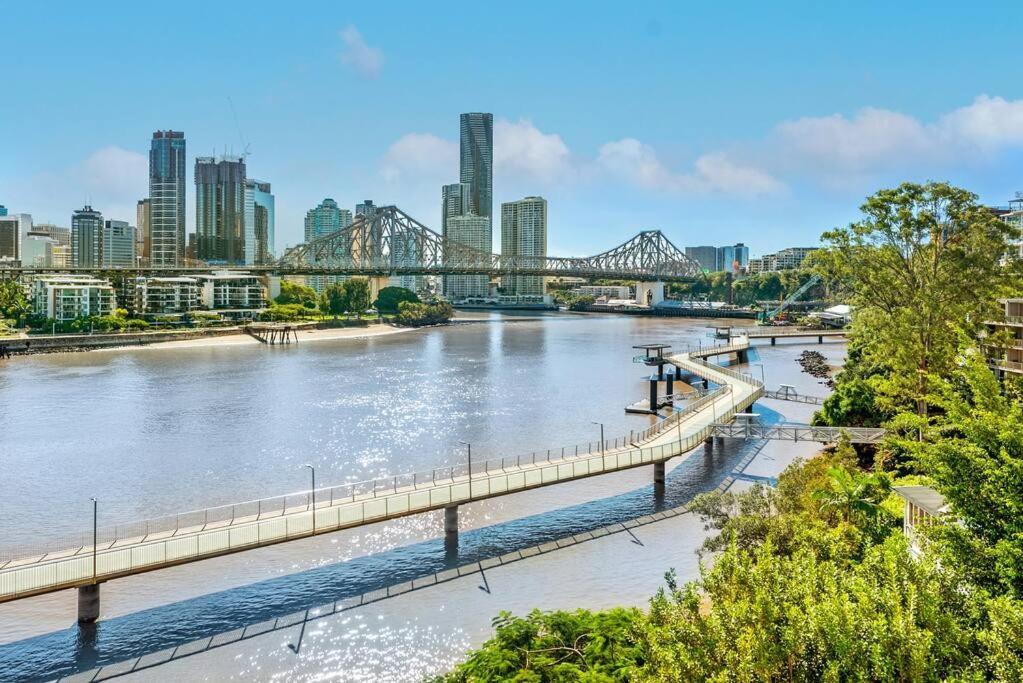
{"points": [[468, 448], [762, 378], [312, 493], [95, 535], [601, 436]]}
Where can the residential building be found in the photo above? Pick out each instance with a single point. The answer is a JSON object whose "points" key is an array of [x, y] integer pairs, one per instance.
{"points": [[259, 222], [1008, 360], [524, 237], [705, 256], [454, 199], [474, 232], [118, 245], [167, 198], [325, 218], [366, 208], [66, 297], [476, 168], [143, 218], [166, 295], [786, 259], [86, 237], [609, 291], [220, 210], [231, 290], [756, 265]]}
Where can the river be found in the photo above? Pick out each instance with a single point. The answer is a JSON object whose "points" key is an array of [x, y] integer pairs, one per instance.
{"points": [[153, 431]]}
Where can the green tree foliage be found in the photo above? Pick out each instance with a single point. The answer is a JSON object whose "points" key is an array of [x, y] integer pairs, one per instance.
{"points": [[296, 293], [13, 302], [921, 264], [559, 646], [419, 314], [334, 300], [389, 298], [285, 313], [356, 297]]}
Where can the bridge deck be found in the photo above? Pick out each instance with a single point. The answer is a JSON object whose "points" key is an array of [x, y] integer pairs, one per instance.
{"points": [[781, 332], [676, 435]]}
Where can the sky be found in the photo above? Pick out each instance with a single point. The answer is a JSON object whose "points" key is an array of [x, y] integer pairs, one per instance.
{"points": [[762, 123]]}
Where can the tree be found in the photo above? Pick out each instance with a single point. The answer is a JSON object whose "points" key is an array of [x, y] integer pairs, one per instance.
{"points": [[335, 299], [921, 264], [13, 302], [419, 314], [389, 298], [296, 293], [356, 295]]}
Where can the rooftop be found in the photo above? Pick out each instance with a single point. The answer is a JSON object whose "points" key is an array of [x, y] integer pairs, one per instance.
{"points": [[923, 497]]}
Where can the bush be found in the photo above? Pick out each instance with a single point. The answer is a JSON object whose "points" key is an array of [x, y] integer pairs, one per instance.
{"points": [[390, 298], [419, 314]]}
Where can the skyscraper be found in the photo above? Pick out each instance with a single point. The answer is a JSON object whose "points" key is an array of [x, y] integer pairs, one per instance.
{"points": [[167, 198], [477, 161], [86, 237], [10, 239], [707, 257], [143, 213], [366, 208], [3, 210], [220, 210], [524, 235], [474, 232], [259, 222], [454, 200], [118, 245], [325, 218]]}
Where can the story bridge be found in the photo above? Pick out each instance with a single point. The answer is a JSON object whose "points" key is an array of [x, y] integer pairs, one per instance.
{"points": [[393, 243]]}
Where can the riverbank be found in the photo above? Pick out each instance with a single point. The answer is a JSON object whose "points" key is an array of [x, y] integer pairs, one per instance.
{"points": [[302, 336]]}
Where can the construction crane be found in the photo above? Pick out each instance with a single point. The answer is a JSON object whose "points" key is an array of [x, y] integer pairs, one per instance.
{"points": [[767, 316]]}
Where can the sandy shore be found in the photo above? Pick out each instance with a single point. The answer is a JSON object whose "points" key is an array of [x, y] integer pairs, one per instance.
{"points": [[242, 339]]}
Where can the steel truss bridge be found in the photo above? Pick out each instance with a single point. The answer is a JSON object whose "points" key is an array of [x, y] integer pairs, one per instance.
{"points": [[393, 243]]}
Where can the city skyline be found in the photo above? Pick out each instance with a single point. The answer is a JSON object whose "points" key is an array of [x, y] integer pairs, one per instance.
{"points": [[772, 164]]}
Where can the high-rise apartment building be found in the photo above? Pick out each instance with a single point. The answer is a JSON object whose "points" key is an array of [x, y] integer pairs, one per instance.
{"points": [[524, 235], [220, 210], [474, 232], [476, 145], [366, 208], [167, 198], [259, 222], [118, 245], [325, 219], [143, 214], [705, 256], [86, 237], [454, 202]]}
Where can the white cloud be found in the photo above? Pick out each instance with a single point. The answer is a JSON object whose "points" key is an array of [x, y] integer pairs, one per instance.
{"points": [[988, 123], [523, 150], [367, 61], [421, 156], [638, 163], [114, 174]]}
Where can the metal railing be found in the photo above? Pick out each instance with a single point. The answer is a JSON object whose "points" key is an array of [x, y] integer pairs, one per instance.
{"points": [[790, 432], [791, 395]]}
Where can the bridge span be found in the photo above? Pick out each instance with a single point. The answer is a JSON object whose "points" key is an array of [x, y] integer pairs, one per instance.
{"points": [[189, 537]]}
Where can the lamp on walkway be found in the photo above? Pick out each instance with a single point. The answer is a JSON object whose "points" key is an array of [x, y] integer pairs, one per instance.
{"points": [[601, 435], [312, 494]]}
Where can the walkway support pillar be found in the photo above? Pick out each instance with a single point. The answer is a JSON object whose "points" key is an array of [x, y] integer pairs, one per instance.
{"points": [[88, 603], [653, 394], [659, 478], [820, 339], [773, 340], [451, 527], [671, 384]]}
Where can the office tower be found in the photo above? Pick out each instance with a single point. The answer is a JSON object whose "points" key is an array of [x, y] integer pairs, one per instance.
{"points": [[167, 198], [86, 237], [259, 222], [454, 202], [477, 161], [3, 210], [742, 255], [325, 218], [37, 249], [705, 256], [725, 258], [10, 239], [118, 245], [474, 232], [143, 213], [220, 210], [60, 234], [524, 236]]}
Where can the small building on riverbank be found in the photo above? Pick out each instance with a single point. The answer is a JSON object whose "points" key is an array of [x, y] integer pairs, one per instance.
{"points": [[226, 289], [166, 295]]}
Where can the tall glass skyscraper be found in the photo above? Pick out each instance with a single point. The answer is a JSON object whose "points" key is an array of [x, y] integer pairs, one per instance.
{"points": [[524, 233], [325, 218], [259, 222], [86, 238], [167, 198], [220, 210], [477, 161], [454, 200]]}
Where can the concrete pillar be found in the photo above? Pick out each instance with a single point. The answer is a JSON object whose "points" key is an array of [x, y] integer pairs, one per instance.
{"points": [[659, 478], [820, 339], [773, 340], [671, 384], [451, 527], [653, 394], [708, 446], [88, 603]]}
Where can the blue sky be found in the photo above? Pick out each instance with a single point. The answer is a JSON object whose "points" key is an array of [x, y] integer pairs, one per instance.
{"points": [[765, 123]]}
